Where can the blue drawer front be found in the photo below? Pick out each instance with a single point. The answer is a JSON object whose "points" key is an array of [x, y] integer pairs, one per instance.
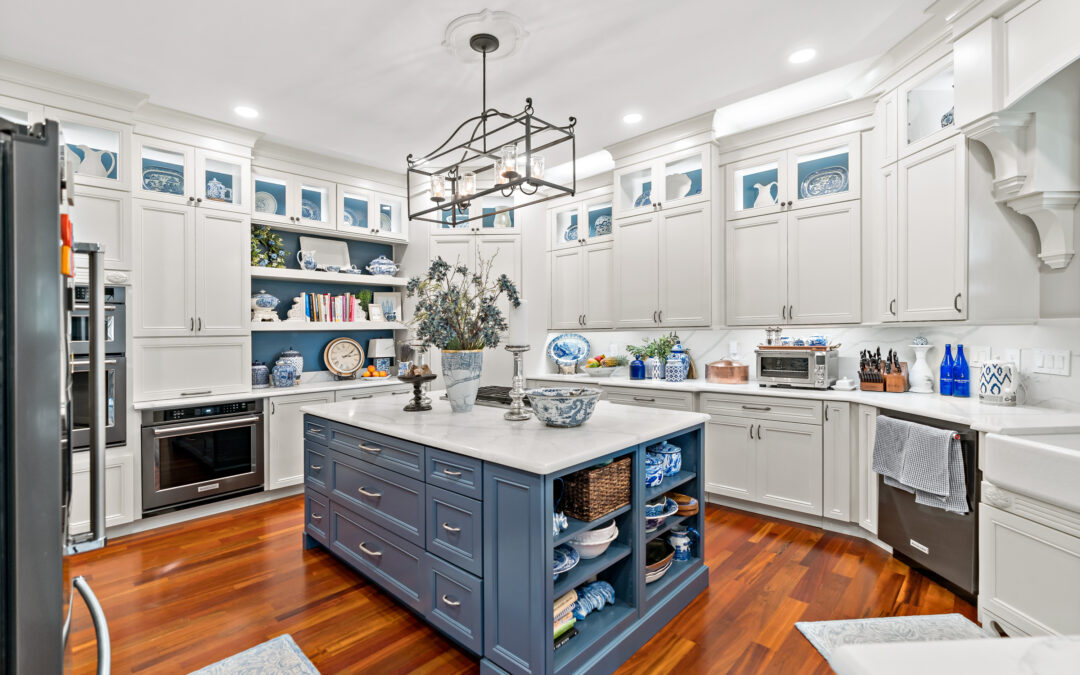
{"points": [[395, 454], [455, 472], [384, 497], [456, 604], [455, 530], [395, 565], [316, 429], [316, 466], [317, 516]]}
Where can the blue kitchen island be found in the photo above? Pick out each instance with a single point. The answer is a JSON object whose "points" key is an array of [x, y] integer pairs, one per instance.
{"points": [[452, 514]]}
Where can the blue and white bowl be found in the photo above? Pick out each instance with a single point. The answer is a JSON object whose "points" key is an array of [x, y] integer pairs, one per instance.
{"points": [[563, 406], [656, 507], [669, 455], [563, 559], [654, 469], [652, 523]]}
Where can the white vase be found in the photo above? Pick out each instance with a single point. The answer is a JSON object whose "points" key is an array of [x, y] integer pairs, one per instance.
{"points": [[920, 377], [461, 373]]}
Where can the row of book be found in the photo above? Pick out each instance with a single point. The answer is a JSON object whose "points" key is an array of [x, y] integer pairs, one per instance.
{"points": [[564, 618], [338, 308]]}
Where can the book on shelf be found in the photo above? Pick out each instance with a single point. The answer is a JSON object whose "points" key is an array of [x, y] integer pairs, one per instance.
{"points": [[565, 637], [564, 622], [325, 307], [565, 602]]}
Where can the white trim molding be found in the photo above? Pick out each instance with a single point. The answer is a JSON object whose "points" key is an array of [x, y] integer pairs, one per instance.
{"points": [[1005, 135], [1053, 215]]}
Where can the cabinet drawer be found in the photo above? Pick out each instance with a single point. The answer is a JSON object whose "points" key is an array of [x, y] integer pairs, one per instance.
{"points": [[392, 563], [316, 466], [316, 515], [391, 453], [455, 529], [384, 497], [316, 429], [651, 398], [763, 407], [455, 604], [455, 472], [362, 394]]}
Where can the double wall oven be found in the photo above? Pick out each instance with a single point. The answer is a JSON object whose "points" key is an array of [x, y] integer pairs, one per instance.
{"points": [[115, 368]]}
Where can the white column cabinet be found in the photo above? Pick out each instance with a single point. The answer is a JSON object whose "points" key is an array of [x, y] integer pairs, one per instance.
{"points": [[468, 248], [598, 291], [565, 297], [757, 270], [789, 465], [285, 438], [730, 465], [222, 273], [637, 271], [824, 252], [837, 462], [866, 480], [119, 489]]}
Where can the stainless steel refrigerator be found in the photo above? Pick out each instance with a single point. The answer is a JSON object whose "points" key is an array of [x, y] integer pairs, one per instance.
{"points": [[36, 296]]}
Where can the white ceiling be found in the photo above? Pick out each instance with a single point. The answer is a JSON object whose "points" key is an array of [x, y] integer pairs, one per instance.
{"points": [[370, 80]]}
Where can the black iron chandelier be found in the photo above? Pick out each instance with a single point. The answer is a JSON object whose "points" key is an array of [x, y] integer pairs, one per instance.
{"points": [[503, 159]]}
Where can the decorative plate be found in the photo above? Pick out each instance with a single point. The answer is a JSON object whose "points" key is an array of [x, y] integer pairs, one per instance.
{"points": [[265, 202], [571, 233], [643, 199], [385, 221], [352, 219], [163, 179], [825, 181], [309, 210], [563, 559], [348, 218], [568, 349], [947, 118], [603, 225], [343, 356]]}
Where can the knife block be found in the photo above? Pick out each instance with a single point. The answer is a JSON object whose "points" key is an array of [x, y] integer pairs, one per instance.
{"points": [[891, 382]]}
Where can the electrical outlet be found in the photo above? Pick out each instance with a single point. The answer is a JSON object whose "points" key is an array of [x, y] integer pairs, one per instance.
{"points": [[977, 354], [1009, 354], [1052, 361]]}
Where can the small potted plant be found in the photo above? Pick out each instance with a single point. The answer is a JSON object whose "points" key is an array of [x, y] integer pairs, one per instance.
{"points": [[456, 311]]}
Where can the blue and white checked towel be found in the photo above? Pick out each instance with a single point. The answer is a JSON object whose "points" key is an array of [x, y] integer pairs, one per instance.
{"points": [[921, 459]]}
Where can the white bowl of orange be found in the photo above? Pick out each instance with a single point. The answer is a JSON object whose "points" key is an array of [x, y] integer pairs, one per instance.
{"points": [[370, 372]]}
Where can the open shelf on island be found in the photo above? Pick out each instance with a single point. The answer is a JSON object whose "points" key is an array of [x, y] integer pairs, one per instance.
{"points": [[576, 526], [671, 522], [596, 626], [676, 574], [669, 483], [288, 326], [590, 568], [327, 277]]}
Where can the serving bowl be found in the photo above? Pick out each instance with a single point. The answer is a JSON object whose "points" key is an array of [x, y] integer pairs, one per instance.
{"points": [[688, 506], [658, 556], [656, 507], [563, 406], [592, 549], [598, 535], [652, 523], [600, 371], [656, 574]]}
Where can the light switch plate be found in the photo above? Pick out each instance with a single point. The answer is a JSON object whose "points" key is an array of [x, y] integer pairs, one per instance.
{"points": [[1052, 361], [977, 354], [1008, 354]]}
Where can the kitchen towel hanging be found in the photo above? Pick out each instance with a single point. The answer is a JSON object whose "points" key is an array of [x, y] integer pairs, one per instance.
{"points": [[921, 459]]}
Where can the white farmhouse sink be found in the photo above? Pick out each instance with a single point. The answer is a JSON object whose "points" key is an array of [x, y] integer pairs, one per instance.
{"points": [[1046, 467]]}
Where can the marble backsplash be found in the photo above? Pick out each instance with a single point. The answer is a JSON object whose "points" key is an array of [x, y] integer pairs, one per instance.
{"points": [[1054, 391]]}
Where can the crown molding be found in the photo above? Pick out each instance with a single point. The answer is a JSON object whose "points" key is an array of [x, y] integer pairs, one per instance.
{"points": [[162, 122], [274, 155], [695, 130], [59, 90]]}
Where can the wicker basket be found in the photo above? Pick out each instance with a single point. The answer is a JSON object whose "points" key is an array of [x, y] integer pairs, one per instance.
{"points": [[593, 493]]}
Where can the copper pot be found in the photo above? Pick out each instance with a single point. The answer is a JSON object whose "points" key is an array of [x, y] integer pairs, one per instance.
{"points": [[727, 371]]}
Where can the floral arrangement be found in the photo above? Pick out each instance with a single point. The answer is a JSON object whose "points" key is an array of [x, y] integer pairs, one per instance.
{"points": [[659, 347], [267, 248], [455, 308]]}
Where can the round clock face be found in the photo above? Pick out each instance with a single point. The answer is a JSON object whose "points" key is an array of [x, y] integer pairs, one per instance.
{"points": [[343, 356]]}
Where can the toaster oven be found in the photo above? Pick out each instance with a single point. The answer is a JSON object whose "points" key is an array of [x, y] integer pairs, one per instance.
{"points": [[804, 368]]}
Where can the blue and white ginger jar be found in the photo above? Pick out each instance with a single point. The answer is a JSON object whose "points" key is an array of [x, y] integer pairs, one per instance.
{"points": [[294, 359], [283, 374], [260, 375]]}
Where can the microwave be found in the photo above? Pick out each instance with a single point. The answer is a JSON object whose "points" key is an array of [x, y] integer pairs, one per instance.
{"points": [[803, 368]]}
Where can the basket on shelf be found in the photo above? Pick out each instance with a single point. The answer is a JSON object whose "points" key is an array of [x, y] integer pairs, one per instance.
{"points": [[593, 493]]}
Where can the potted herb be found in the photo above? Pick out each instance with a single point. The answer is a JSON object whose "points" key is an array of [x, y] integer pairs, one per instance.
{"points": [[456, 311]]}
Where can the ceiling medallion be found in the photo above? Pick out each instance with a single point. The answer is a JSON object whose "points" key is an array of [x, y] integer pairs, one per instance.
{"points": [[491, 154]]}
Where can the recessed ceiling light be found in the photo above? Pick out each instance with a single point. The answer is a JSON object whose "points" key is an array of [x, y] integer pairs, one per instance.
{"points": [[802, 55], [246, 111], [632, 118]]}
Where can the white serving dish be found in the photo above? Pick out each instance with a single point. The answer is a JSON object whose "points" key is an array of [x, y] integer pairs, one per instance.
{"points": [[327, 251], [593, 549], [654, 576], [598, 535], [602, 371]]}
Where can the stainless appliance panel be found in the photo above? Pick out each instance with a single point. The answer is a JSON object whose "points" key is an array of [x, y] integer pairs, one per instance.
{"points": [[801, 368], [115, 395], [115, 321]]}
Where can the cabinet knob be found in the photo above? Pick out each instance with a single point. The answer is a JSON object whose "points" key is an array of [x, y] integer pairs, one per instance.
{"points": [[198, 200], [191, 199]]}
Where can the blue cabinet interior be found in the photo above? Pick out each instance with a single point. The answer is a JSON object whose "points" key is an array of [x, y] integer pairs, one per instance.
{"points": [[516, 584], [276, 190]]}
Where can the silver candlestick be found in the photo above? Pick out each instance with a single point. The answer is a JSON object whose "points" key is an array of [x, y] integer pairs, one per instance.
{"points": [[518, 412]]}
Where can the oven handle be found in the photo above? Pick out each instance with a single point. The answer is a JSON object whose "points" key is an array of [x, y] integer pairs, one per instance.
{"points": [[206, 426], [86, 362], [82, 308]]}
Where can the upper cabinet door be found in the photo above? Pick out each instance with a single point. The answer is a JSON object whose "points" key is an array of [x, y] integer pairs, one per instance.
{"points": [[104, 217], [392, 222], [272, 201], [925, 108], [165, 264], [683, 178], [222, 181], [563, 226], [222, 273], [503, 251], [494, 221], [756, 186], [598, 292], [165, 171], [98, 148], [824, 253], [884, 257], [634, 190], [565, 308], [598, 220], [685, 266], [757, 270], [314, 201], [637, 272], [824, 172], [354, 210]]}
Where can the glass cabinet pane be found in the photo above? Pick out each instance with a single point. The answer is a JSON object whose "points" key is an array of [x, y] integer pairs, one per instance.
{"points": [[450, 216], [930, 105], [271, 195], [95, 151], [756, 186], [566, 226], [354, 209], [682, 177], [313, 203], [635, 188], [599, 218], [222, 180], [492, 220], [822, 173], [162, 170], [390, 217]]}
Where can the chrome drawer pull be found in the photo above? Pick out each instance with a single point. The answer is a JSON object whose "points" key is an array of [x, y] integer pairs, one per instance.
{"points": [[364, 492], [316, 516], [360, 396], [315, 430], [756, 407], [448, 472], [451, 603], [399, 393], [363, 547], [315, 467], [449, 528], [645, 399], [369, 448]]}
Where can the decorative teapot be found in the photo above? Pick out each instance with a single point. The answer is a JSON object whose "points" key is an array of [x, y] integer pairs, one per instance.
{"points": [[382, 265], [217, 191], [306, 259], [92, 163], [764, 194]]}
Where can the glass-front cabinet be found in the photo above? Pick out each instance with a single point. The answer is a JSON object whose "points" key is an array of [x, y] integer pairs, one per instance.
{"points": [[926, 104], [392, 217], [222, 181], [584, 221], [288, 199], [20, 112], [491, 206], [164, 170], [316, 201], [98, 149], [755, 186], [675, 179], [354, 210]]}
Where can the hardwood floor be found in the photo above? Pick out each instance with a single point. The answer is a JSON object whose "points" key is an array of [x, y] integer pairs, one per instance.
{"points": [[182, 597]]}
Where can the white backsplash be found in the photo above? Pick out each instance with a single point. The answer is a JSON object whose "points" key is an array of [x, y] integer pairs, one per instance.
{"points": [[1054, 391]]}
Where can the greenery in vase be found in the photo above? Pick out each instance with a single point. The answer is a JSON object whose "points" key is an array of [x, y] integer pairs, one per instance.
{"points": [[659, 347], [267, 248], [456, 308]]}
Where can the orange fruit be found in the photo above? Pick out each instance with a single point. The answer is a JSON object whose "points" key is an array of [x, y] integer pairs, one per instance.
{"points": [[383, 373], [371, 369]]}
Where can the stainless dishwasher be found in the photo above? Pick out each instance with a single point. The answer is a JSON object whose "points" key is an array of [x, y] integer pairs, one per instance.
{"points": [[930, 539]]}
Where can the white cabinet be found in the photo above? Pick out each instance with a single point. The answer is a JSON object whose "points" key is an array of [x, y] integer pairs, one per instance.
{"points": [[98, 149], [119, 489], [662, 268], [365, 211], [193, 271], [837, 461], [597, 287], [581, 287], [502, 250], [730, 465], [801, 267], [285, 438], [104, 217], [565, 297], [289, 199], [865, 482], [672, 180], [924, 110], [581, 222], [190, 366]]}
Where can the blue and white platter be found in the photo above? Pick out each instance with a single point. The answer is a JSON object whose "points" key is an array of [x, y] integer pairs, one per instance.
{"points": [[265, 202], [568, 349], [825, 181], [603, 225], [309, 210], [571, 233], [564, 559], [161, 177]]}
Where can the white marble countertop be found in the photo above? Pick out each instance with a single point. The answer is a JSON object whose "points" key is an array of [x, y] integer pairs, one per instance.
{"points": [[1048, 655], [306, 387], [529, 446], [967, 411]]}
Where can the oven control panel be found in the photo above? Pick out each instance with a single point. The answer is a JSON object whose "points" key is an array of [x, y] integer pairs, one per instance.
{"points": [[202, 411]]}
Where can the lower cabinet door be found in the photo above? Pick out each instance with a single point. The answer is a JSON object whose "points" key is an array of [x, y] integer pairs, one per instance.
{"points": [[190, 366], [285, 438], [317, 516], [455, 529], [729, 457], [789, 465], [391, 562], [119, 489], [456, 604]]}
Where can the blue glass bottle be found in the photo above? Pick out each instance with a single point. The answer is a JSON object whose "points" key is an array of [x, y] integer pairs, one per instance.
{"points": [[637, 369], [945, 380], [961, 384]]}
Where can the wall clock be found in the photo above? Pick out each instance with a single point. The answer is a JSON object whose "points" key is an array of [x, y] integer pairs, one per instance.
{"points": [[343, 357]]}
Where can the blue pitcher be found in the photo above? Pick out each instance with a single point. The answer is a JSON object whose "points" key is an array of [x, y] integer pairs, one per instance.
{"points": [[681, 539]]}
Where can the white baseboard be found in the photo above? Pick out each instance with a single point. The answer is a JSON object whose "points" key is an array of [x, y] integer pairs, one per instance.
{"points": [[184, 515]]}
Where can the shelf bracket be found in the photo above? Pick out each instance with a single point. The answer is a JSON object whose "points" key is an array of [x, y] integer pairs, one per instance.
{"points": [[1006, 136], [1053, 215]]}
